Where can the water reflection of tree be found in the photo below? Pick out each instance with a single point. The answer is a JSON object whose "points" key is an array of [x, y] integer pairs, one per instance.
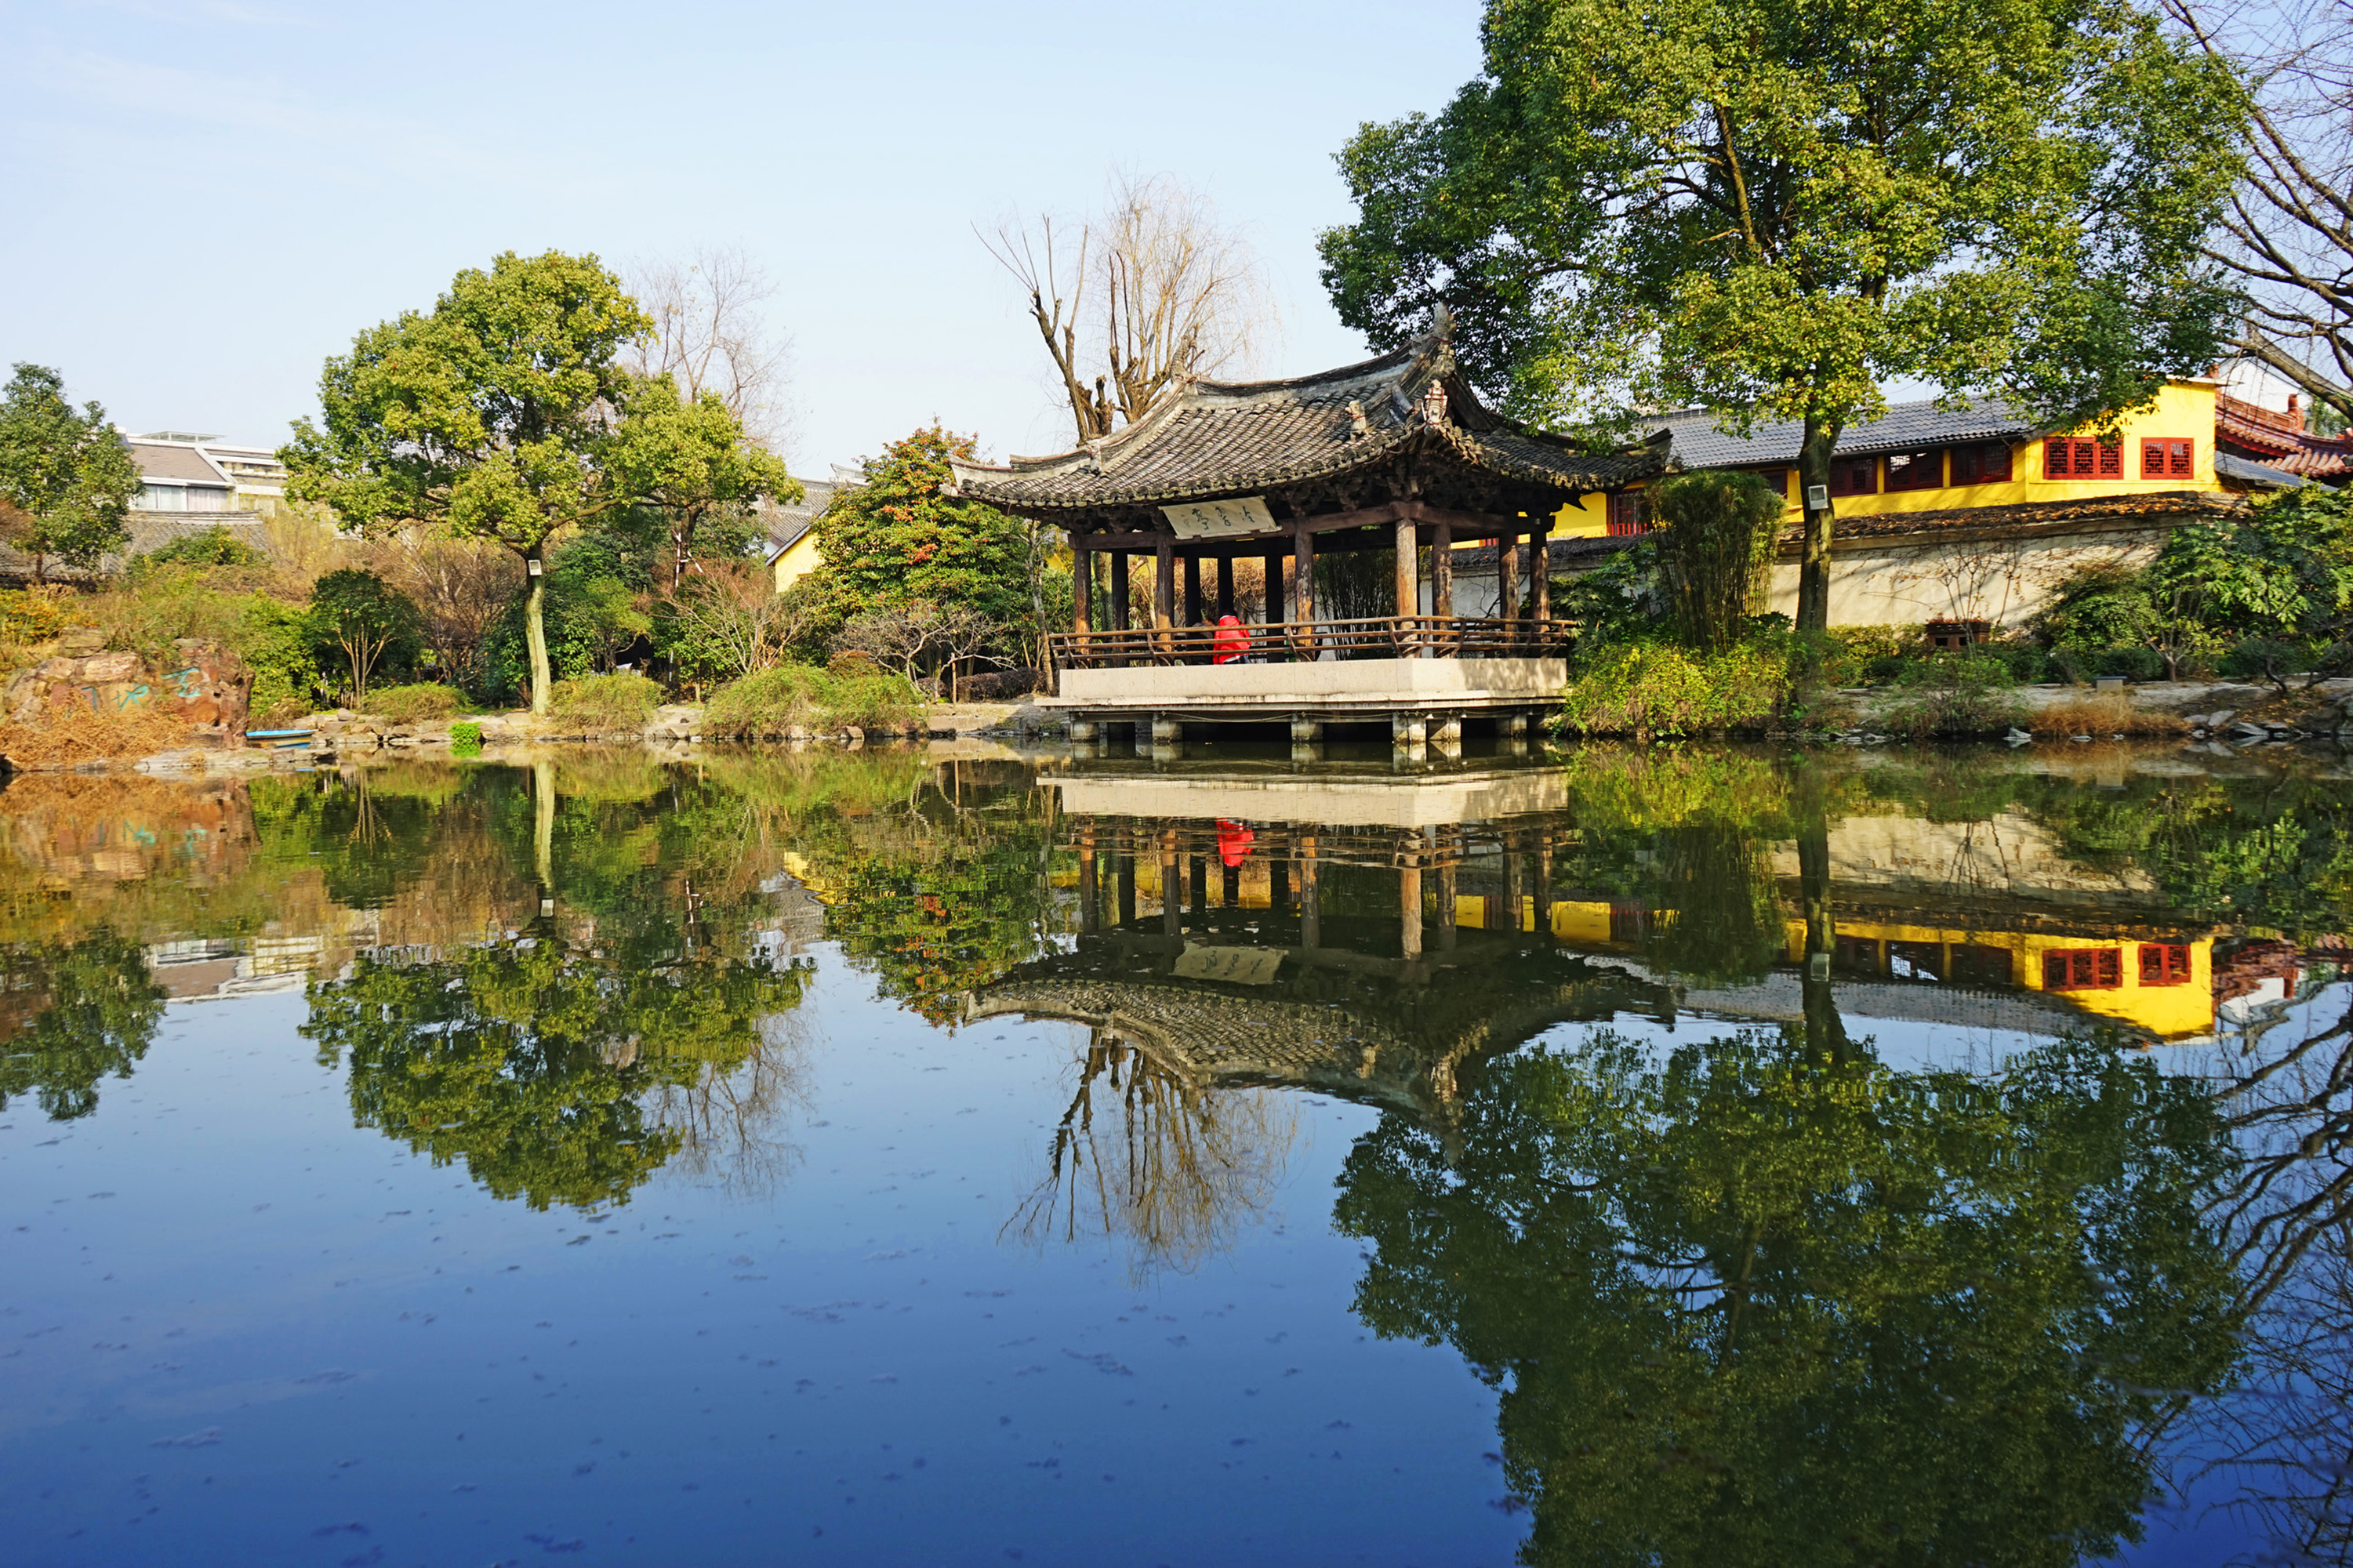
{"points": [[1176, 1171], [1766, 1302], [71, 1013], [2284, 1435], [533, 1060]]}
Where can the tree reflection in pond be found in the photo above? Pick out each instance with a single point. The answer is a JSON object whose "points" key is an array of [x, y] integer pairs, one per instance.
{"points": [[1756, 1303], [1183, 1170], [530, 1059], [72, 1013]]}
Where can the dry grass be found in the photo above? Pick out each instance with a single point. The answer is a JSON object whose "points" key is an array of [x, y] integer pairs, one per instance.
{"points": [[2103, 714], [79, 735]]}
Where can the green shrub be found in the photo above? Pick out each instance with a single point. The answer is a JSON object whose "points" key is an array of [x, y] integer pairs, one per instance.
{"points": [[465, 739], [1652, 687], [605, 701], [213, 547], [407, 704], [1954, 695], [1715, 550], [795, 696], [29, 617]]}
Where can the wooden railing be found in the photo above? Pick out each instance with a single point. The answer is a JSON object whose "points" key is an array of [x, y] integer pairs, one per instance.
{"points": [[1289, 642]]}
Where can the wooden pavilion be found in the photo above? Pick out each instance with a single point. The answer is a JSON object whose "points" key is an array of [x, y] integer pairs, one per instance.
{"points": [[1395, 453]]}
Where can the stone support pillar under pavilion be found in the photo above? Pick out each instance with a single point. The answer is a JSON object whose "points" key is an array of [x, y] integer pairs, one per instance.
{"points": [[1394, 455]]}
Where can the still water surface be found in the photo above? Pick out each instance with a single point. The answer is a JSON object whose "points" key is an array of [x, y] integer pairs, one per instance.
{"points": [[1690, 1157]]}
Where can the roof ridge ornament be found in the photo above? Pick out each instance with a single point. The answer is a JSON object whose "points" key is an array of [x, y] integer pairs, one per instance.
{"points": [[1357, 422], [1433, 404]]}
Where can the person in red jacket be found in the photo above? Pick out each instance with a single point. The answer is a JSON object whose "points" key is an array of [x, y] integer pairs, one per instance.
{"points": [[1231, 641]]}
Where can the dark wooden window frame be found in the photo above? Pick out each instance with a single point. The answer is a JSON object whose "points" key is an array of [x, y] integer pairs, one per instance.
{"points": [[2168, 457], [1920, 470], [1854, 476], [2164, 963], [2082, 968], [1985, 465]]}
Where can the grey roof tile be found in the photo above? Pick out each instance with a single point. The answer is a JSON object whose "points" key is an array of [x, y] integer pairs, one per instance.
{"points": [[1210, 438], [1699, 444]]}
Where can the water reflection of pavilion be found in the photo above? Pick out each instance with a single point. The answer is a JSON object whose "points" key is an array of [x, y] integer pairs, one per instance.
{"points": [[1372, 934]]}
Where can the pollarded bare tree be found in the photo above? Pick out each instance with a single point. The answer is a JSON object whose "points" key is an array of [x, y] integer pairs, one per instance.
{"points": [[1154, 289], [2288, 234], [712, 333]]}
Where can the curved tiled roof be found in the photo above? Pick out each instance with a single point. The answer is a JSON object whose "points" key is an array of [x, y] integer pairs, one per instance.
{"points": [[1209, 438], [1700, 444]]}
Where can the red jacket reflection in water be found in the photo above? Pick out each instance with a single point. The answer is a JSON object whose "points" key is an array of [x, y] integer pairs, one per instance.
{"points": [[1234, 842], [1230, 643]]}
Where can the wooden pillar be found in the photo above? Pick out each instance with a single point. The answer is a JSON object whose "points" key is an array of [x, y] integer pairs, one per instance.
{"points": [[1192, 590], [1225, 586], [1543, 884], [1514, 884], [1231, 895], [1172, 916], [1410, 909], [1303, 591], [1409, 586], [1163, 586], [1126, 887], [1311, 910], [1118, 590], [1449, 896], [1540, 573], [1441, 571], [1089, 892], [1507, 575], [1200, 888], [1273, 569], [1083, 587]]}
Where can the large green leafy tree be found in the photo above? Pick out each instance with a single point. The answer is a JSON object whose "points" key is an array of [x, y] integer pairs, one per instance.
{"points": [[690, 460], [71, 1013], [899, 540], [1763, 1301], [66, 477], [503, 414], [1768, 208], [363, 622]]}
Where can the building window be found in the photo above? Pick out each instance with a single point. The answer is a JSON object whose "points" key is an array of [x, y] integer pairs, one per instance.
{"points": [[1981, 465], [1975, 964], [2082, 968], [161, 497], [1856, 954], [2069, 459], [2169, 460], [1778, 478], [1626, 515], [1854, 476], [1915, 470], [2164, 963]]}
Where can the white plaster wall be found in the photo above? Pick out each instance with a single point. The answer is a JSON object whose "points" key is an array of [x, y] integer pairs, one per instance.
{"points": [[1903, 582]]}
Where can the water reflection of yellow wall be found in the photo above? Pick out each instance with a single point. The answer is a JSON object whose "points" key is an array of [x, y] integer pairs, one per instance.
{"points": [[2178, 1000]]}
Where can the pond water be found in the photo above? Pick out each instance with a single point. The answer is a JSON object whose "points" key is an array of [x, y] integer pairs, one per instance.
{"points": [[1682, 1156]]}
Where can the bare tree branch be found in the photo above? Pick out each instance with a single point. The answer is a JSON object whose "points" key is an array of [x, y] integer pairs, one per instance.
{"points": [[712, 333]]}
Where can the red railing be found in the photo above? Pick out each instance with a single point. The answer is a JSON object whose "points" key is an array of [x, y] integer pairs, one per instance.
{"points": [[1289, 642]]}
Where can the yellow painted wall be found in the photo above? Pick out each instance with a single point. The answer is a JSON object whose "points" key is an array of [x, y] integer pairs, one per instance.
{"points": [[2185, 409], [796, 561]]}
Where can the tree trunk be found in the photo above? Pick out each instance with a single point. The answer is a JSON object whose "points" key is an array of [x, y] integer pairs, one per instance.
{"points": [[1814, 563], [534, 630]]}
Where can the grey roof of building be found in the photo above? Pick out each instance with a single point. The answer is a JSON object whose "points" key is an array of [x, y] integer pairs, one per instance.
{"points": [[786, 523], [1210, 438], [2261, 476], [157, 461], [1699, 443]]}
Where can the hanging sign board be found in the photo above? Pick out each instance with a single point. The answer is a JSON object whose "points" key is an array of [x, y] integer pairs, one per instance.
{"points": [[1234, 966], [1220, 519]]}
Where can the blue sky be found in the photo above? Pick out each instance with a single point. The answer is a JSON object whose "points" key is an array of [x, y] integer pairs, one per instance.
{"points": [[208, 197]]}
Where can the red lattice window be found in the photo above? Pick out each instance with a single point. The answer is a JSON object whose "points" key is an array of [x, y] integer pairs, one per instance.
{"points": [[2169, 460], [2065, 458], [1626, 515], [1854, 476], [1915, 470], [1981, 465], [2164, 963], [2082, 968]]}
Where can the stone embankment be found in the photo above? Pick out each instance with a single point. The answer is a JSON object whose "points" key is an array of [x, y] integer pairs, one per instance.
{"points": [[345, 735]]}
